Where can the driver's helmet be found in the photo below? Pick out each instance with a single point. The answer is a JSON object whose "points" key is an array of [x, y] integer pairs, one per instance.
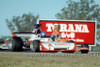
{"points": [[37, 26], [58, 37], [43, 33]]}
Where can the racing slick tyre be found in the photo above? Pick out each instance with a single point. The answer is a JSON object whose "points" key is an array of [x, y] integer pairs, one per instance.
{"points": [[85, 48], [16, 44], [35, 46]]}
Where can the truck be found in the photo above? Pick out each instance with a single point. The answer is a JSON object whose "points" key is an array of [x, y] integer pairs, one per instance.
{"points": [[76, 35]]}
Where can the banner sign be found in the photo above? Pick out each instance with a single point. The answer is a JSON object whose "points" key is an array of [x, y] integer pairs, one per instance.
{"points": [[79, 31]]}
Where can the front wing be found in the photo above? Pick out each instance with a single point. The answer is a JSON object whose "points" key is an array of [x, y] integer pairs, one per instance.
{"points": [[57, 46]]}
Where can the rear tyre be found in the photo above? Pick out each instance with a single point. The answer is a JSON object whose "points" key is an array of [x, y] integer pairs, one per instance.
{"points": [[35, 46], [16, 44], [84, 51], [84, 45]]}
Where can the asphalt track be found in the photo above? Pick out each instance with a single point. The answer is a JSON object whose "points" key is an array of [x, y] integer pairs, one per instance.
{"points": [[54, 54]]}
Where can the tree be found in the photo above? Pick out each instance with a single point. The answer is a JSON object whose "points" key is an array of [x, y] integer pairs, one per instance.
{"points": [[23, 23], [82, 10]]}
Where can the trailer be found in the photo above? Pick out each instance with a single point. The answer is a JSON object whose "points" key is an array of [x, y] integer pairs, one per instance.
{"points": [[76, 35]]}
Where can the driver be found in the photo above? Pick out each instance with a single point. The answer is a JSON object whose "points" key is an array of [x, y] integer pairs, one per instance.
{"points": [[37, 29], [56, 35]]}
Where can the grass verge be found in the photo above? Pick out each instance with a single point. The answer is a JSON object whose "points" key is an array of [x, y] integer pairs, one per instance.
{"points": [[15, 59]]}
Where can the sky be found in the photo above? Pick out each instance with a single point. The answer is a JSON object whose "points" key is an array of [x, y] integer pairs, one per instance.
{"points": [[47, 9]]}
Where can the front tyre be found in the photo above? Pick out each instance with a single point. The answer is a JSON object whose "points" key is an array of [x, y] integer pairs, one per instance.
{"points": [[35, 46]]}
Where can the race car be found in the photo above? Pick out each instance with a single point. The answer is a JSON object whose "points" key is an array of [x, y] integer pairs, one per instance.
{"points": [[4, 44], [47, 44], [38, 41]]}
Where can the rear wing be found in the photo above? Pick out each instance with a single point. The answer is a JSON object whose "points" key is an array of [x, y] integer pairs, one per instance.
{"points": [[22, 34]]}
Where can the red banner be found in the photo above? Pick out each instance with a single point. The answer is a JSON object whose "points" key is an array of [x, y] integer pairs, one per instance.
{"points": [[79, 31]]}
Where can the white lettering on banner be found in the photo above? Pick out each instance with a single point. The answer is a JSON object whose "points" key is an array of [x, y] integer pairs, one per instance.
{"points": [[50, 27], [77, 40], [71, 35], [82, 28], [78, 27], [70, 28], [63, 27], [85, 28]]}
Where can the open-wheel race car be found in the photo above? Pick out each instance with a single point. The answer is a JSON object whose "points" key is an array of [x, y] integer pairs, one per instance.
{"points": [[38, 41]]}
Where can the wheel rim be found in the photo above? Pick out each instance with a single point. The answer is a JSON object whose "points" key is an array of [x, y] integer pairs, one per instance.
{"points": [[10, 45], [32, 47]]}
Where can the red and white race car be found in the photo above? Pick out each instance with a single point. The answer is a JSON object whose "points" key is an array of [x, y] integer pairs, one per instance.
{"points": [[37, 43], [47, 44]]}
